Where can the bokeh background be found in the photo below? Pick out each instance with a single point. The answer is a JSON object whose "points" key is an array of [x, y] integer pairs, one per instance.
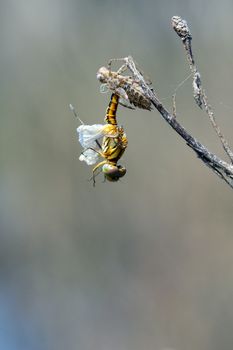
{"points": [[146, 263]]}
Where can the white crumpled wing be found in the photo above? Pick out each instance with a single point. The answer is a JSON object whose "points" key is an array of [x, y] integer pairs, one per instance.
{"points": [[88, 134], [89, 156]]}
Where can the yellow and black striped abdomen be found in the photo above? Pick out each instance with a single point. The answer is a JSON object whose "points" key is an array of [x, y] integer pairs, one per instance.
{"points": [[114, 147], [110, 116]]}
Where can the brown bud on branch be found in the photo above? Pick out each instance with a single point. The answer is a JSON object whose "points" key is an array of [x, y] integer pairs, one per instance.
{"points": [[181, 27]]}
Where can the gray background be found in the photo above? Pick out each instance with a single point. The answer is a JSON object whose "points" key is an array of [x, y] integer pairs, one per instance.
{"points": [[146, 263]]}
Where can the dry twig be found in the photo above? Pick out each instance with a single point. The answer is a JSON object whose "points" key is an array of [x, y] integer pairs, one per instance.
{"points": [[223, 169], [181, 28]]}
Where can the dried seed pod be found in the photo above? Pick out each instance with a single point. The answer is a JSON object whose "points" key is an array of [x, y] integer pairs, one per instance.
{"points": [[181, 27]]}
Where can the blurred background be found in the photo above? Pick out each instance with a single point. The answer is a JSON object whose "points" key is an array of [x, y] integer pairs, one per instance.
{"points": [[146, 263]]}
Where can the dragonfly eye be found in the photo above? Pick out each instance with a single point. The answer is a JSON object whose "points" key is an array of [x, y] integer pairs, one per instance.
{"points": [[113, 172], [101, 78], [102, 75]]}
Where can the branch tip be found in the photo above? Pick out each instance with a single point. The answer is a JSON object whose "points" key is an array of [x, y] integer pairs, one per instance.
{"points": [[181, 28]]}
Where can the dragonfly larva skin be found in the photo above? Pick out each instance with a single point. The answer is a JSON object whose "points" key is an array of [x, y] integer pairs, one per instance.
{"points": [[125, 87], [136, 96]]}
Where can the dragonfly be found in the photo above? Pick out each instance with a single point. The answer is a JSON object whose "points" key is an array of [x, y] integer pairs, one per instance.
{"points": [[127, 87], [107, 141]]}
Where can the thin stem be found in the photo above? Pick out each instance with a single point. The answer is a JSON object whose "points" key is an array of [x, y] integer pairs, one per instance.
{"points": [[181, 28]]}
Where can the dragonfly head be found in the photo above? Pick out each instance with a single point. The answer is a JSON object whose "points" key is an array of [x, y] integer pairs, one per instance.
{"points": [[103, 75], [113, 172]]}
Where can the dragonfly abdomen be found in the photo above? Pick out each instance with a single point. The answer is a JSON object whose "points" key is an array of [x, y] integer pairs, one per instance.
{"points": [[110, 116]]}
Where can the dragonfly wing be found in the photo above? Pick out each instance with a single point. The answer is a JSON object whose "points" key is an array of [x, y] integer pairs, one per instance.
{"points": [[88, 134], [88, 138], [89, 156]]}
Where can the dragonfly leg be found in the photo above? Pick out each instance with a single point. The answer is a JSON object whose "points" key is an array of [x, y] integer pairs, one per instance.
{"points": [[121, 69], [95, 169]]}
